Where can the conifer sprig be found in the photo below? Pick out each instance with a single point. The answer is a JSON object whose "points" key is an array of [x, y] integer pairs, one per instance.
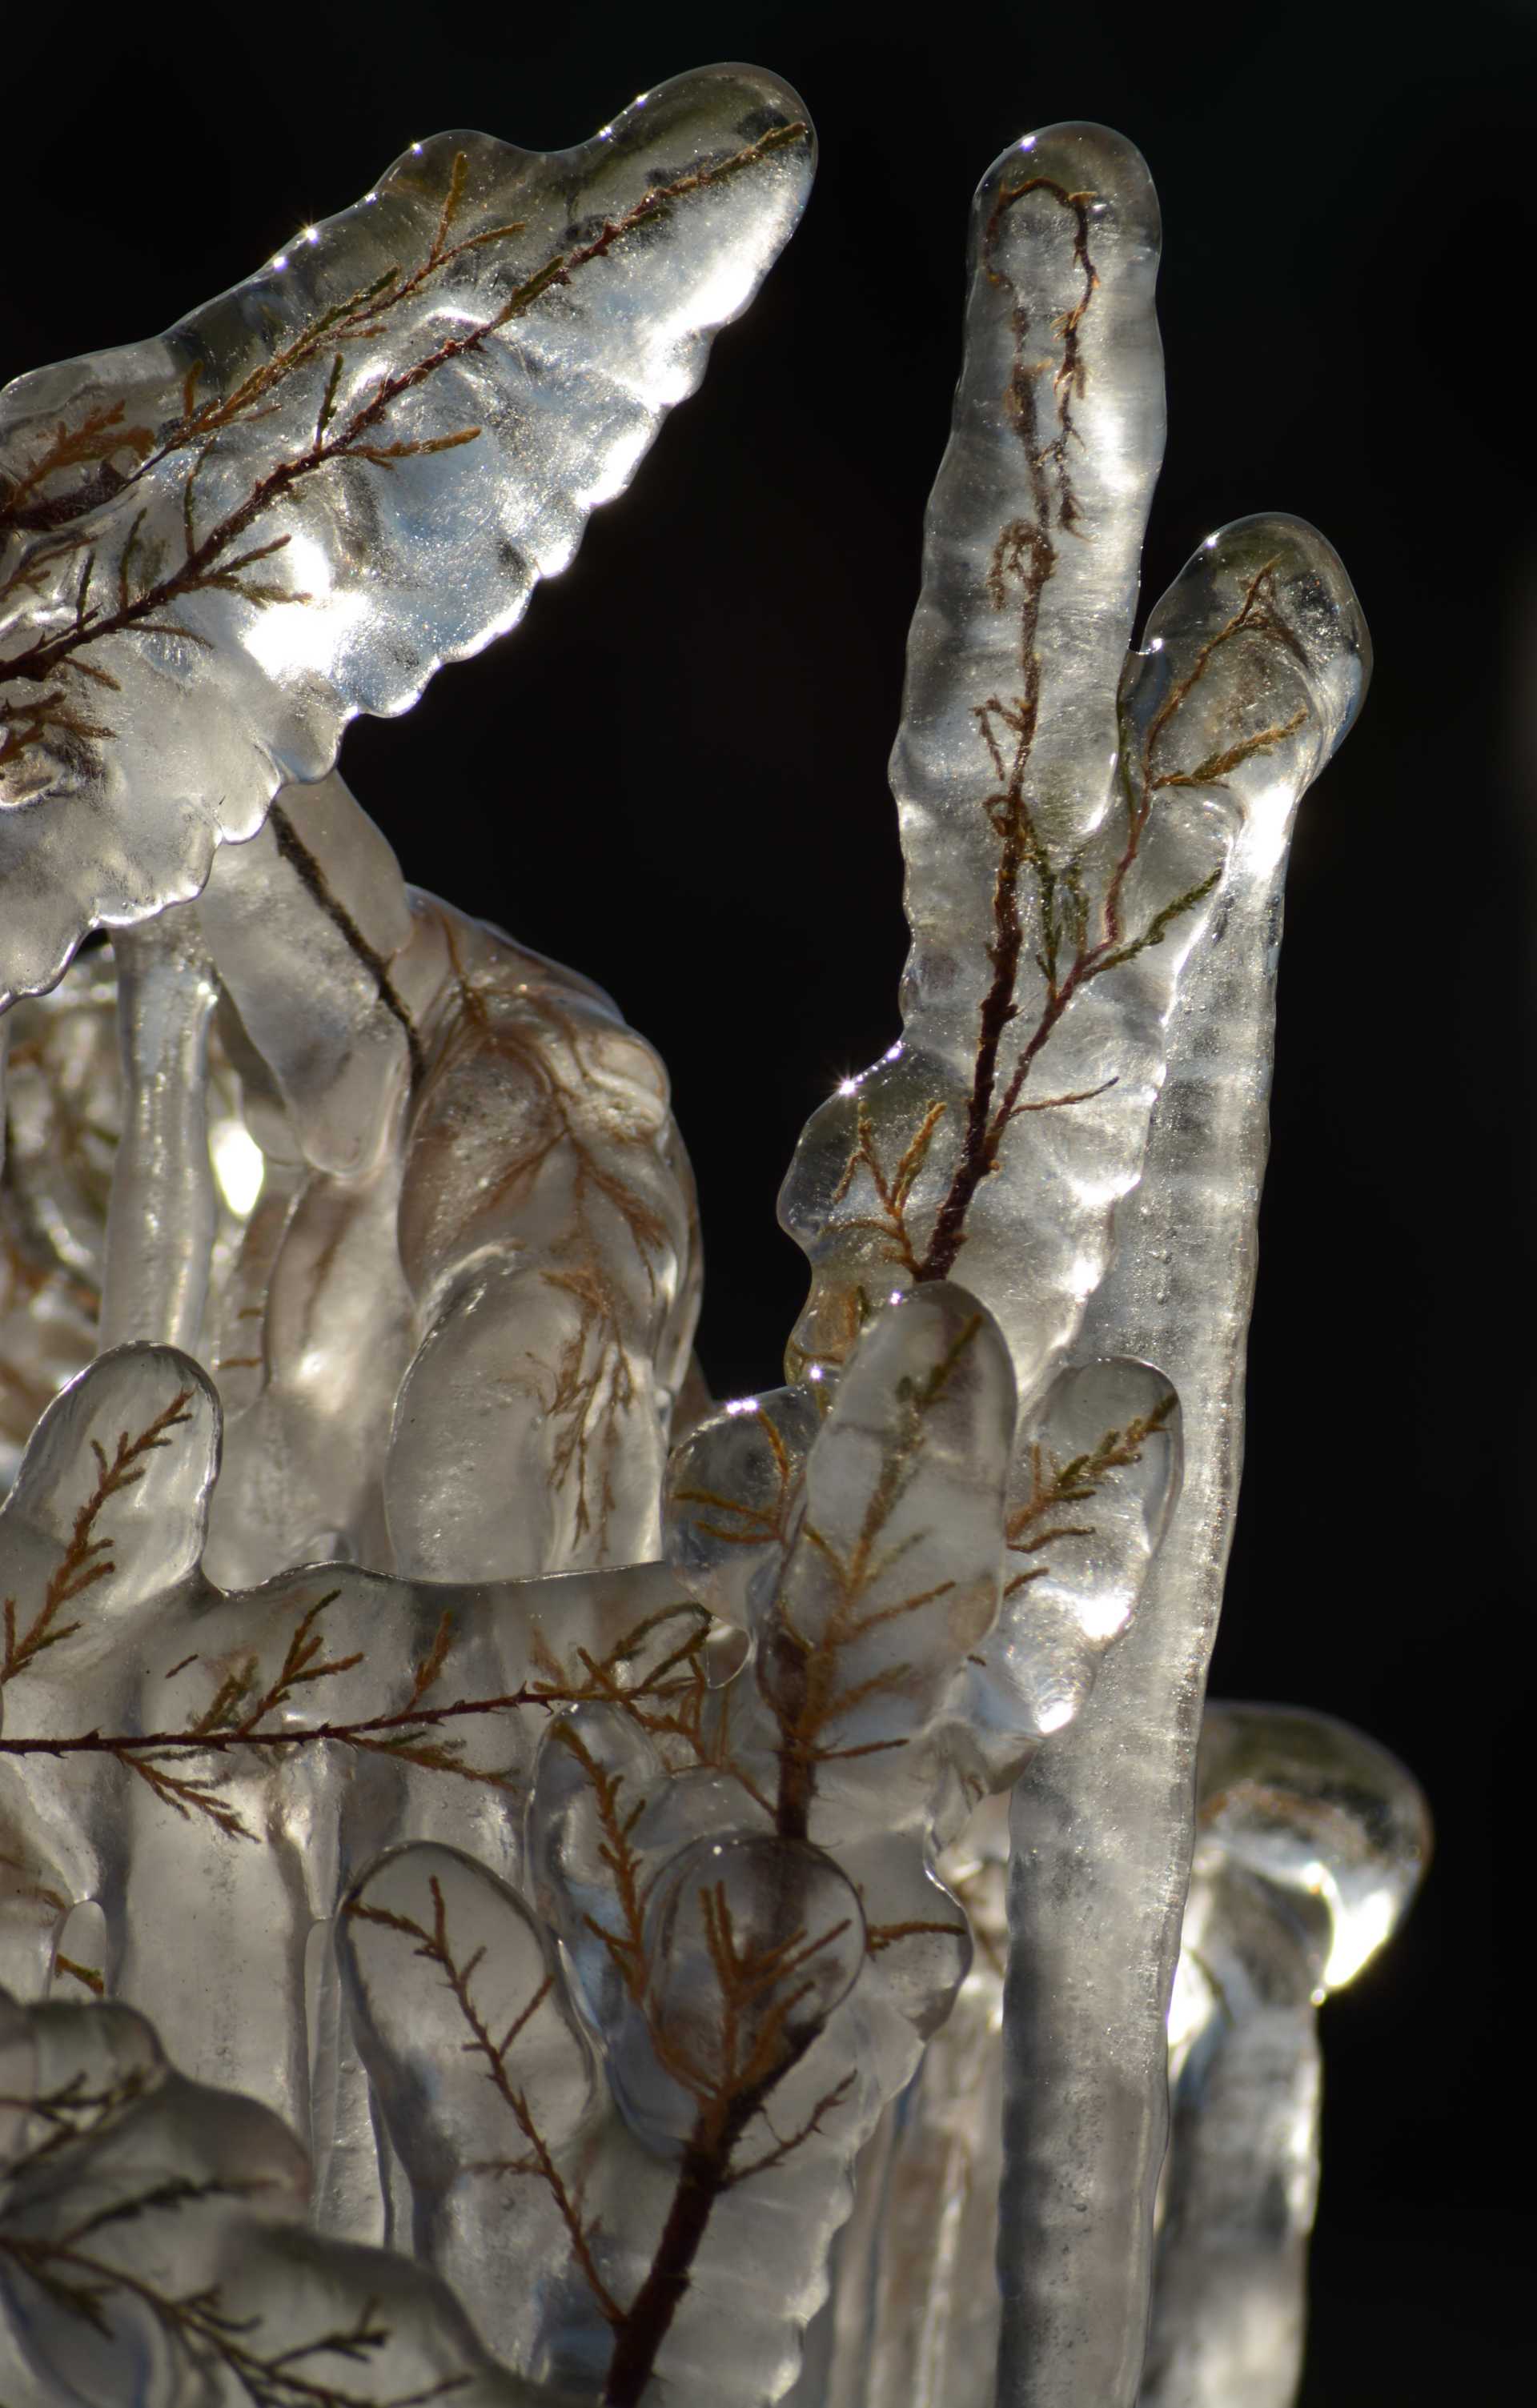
{"points": [[86, 1559], [1043, 911], [40, 710]]}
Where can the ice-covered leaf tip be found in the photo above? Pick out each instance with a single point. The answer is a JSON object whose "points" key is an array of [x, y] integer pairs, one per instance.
{"points": [[217, 546], [153, 2247]]}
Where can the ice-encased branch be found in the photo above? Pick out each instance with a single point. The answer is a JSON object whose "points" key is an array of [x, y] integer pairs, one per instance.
{"points": [[1093, 860], [154, 2245], [1102, 1831], [217, 546], [1054, 905], [1070, 863]]}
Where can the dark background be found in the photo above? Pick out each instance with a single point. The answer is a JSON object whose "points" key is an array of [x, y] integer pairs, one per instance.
{"points": [[1350, 243]]}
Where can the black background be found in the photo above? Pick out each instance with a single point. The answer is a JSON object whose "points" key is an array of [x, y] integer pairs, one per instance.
{"points": [[673, 777]]}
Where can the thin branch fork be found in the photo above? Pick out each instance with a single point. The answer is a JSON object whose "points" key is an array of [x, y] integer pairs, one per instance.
{"points": [[85, 1557], [436, 1948], [729, 2103], [206, 561], [805, 1696], [1025, 557], [370, 1729]]}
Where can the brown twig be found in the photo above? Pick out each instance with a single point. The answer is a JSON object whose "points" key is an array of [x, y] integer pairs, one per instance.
{"points": [[436, 1948], [893, 1190], [625, 1946], [86, 1557], [758, 2041], [1055, 1486], [232, 1726], [759, 2032], [293, 849], [210, 561], [806, 1686], [1078, 942]]}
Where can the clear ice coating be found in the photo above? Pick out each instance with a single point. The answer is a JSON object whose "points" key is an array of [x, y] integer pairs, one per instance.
{"points": [[153, 2247], [1096, 1919], [1310, 1842], [217, 546], [517, 1883]]}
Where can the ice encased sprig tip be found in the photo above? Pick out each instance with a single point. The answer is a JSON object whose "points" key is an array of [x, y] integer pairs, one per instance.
{"points": [[217, 546]]}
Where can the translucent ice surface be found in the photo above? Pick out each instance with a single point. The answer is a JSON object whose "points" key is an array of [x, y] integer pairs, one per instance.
{"points": [[153, 2247], [218, 546], [517, 1883], [1311, 1843]]}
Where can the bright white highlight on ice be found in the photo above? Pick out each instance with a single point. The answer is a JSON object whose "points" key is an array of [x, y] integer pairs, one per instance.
{"points": [[239, 1165]]}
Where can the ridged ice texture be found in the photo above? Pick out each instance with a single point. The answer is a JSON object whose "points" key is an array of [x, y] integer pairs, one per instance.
{"points": [[64, 1130], [912, 2316], [493, 1260], [162, 1213], [194, 1770], [914, 2308], [1055, 886], [589, 1926], [154, 2249], [1102, 1834], [1094, 850], [217, 546], [326, 1773], [754, 1938], [1311, 1843]]}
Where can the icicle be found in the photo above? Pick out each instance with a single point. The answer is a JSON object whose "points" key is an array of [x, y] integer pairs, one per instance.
{"points": [[1254, 665], [161, 1223]]}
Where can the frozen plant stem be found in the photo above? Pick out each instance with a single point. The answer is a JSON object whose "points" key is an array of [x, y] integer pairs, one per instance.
{"points": [[755, 2063], [204, 562], [1108, 834], [1102, 1833], [406, 1618], [702, 2177], [809, 1694]]}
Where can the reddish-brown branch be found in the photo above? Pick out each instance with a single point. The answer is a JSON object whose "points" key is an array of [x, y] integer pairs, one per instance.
{"points": [[85, 1559], [1024, 559], [803, 1681], [369, 1731], [1030, 1528], [1025, 556], [206, 561], [436, 1948], [754, 2049], [299, 858], [703, 2176], [627, 1946], [231, 1727]]}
